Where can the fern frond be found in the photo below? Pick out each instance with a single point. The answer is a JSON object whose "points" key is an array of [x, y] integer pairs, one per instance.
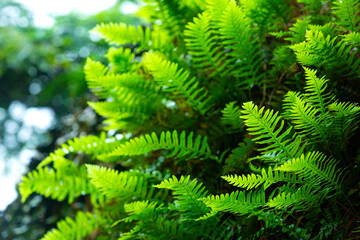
{"points": [[238, 202], [215, 8], [193, 4], [121, 33], [231, 116], [324, 51], [122, 186], [201, 43], [141, 210], [265, 14], [239, 155], [267, 178], [238, 39], [346, 117], [117, 86], [156, 229], [121, 60], [118, 111], [315, 90], [347, 12], [316, 168], [168, 13], [91, 145], [264, 125], [352, 38], [303, 198], [298, 30], [181, 146], [68, 181], [307, 118], [72, 229], [176, 80], [187, 192]]}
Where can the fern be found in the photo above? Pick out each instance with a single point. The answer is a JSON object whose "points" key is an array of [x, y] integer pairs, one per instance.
{"points": [[267, 178], [200, 40], [122, 186], [238, 202], [187, 194], [238, 156], [176, 80], [352, 38], [231, 116], [140, 210], [315, 90], [175, 84], [302, 199], [95, 146], [121, 60], [181, 146], [67, 181], [244, 51], [345, 120], [316, 168], [215, 9], [305, 118], [122, 33], [347, 12], [298, 30], [321, 50], [263, 124], [83, 225]]}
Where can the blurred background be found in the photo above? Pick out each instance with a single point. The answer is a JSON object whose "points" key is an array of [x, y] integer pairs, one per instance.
{"points": [[43, 95]]}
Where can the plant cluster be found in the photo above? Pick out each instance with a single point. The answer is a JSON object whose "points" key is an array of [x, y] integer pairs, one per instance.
{"points": [[228, 120]]}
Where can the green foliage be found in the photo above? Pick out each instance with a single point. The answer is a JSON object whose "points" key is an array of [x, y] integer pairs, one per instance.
{"points": [[65, 180], [182, 146], [172, 79], [347, 12], [263, 124], [214, 57], [123, 185], [231, 116], [201, 43], [187, 193], [83, 225]]}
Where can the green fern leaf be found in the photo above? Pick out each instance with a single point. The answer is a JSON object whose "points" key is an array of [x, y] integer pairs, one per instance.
{"points": [[92, 145], [302, 199], [69, 229], [187, 192], [352, 38], [263, 124], [267, 178], [141, 210], [345, 120], [244, 51], [67, 181], [123, 186], [325, 51], [215, 8], [201, 42], [182, 146], [347, 12], [231, 116], [174, 79], [120, 33], [316, 169], [315, 91], [307, 118], [121, 60], [298, 30], [238, 202]]}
